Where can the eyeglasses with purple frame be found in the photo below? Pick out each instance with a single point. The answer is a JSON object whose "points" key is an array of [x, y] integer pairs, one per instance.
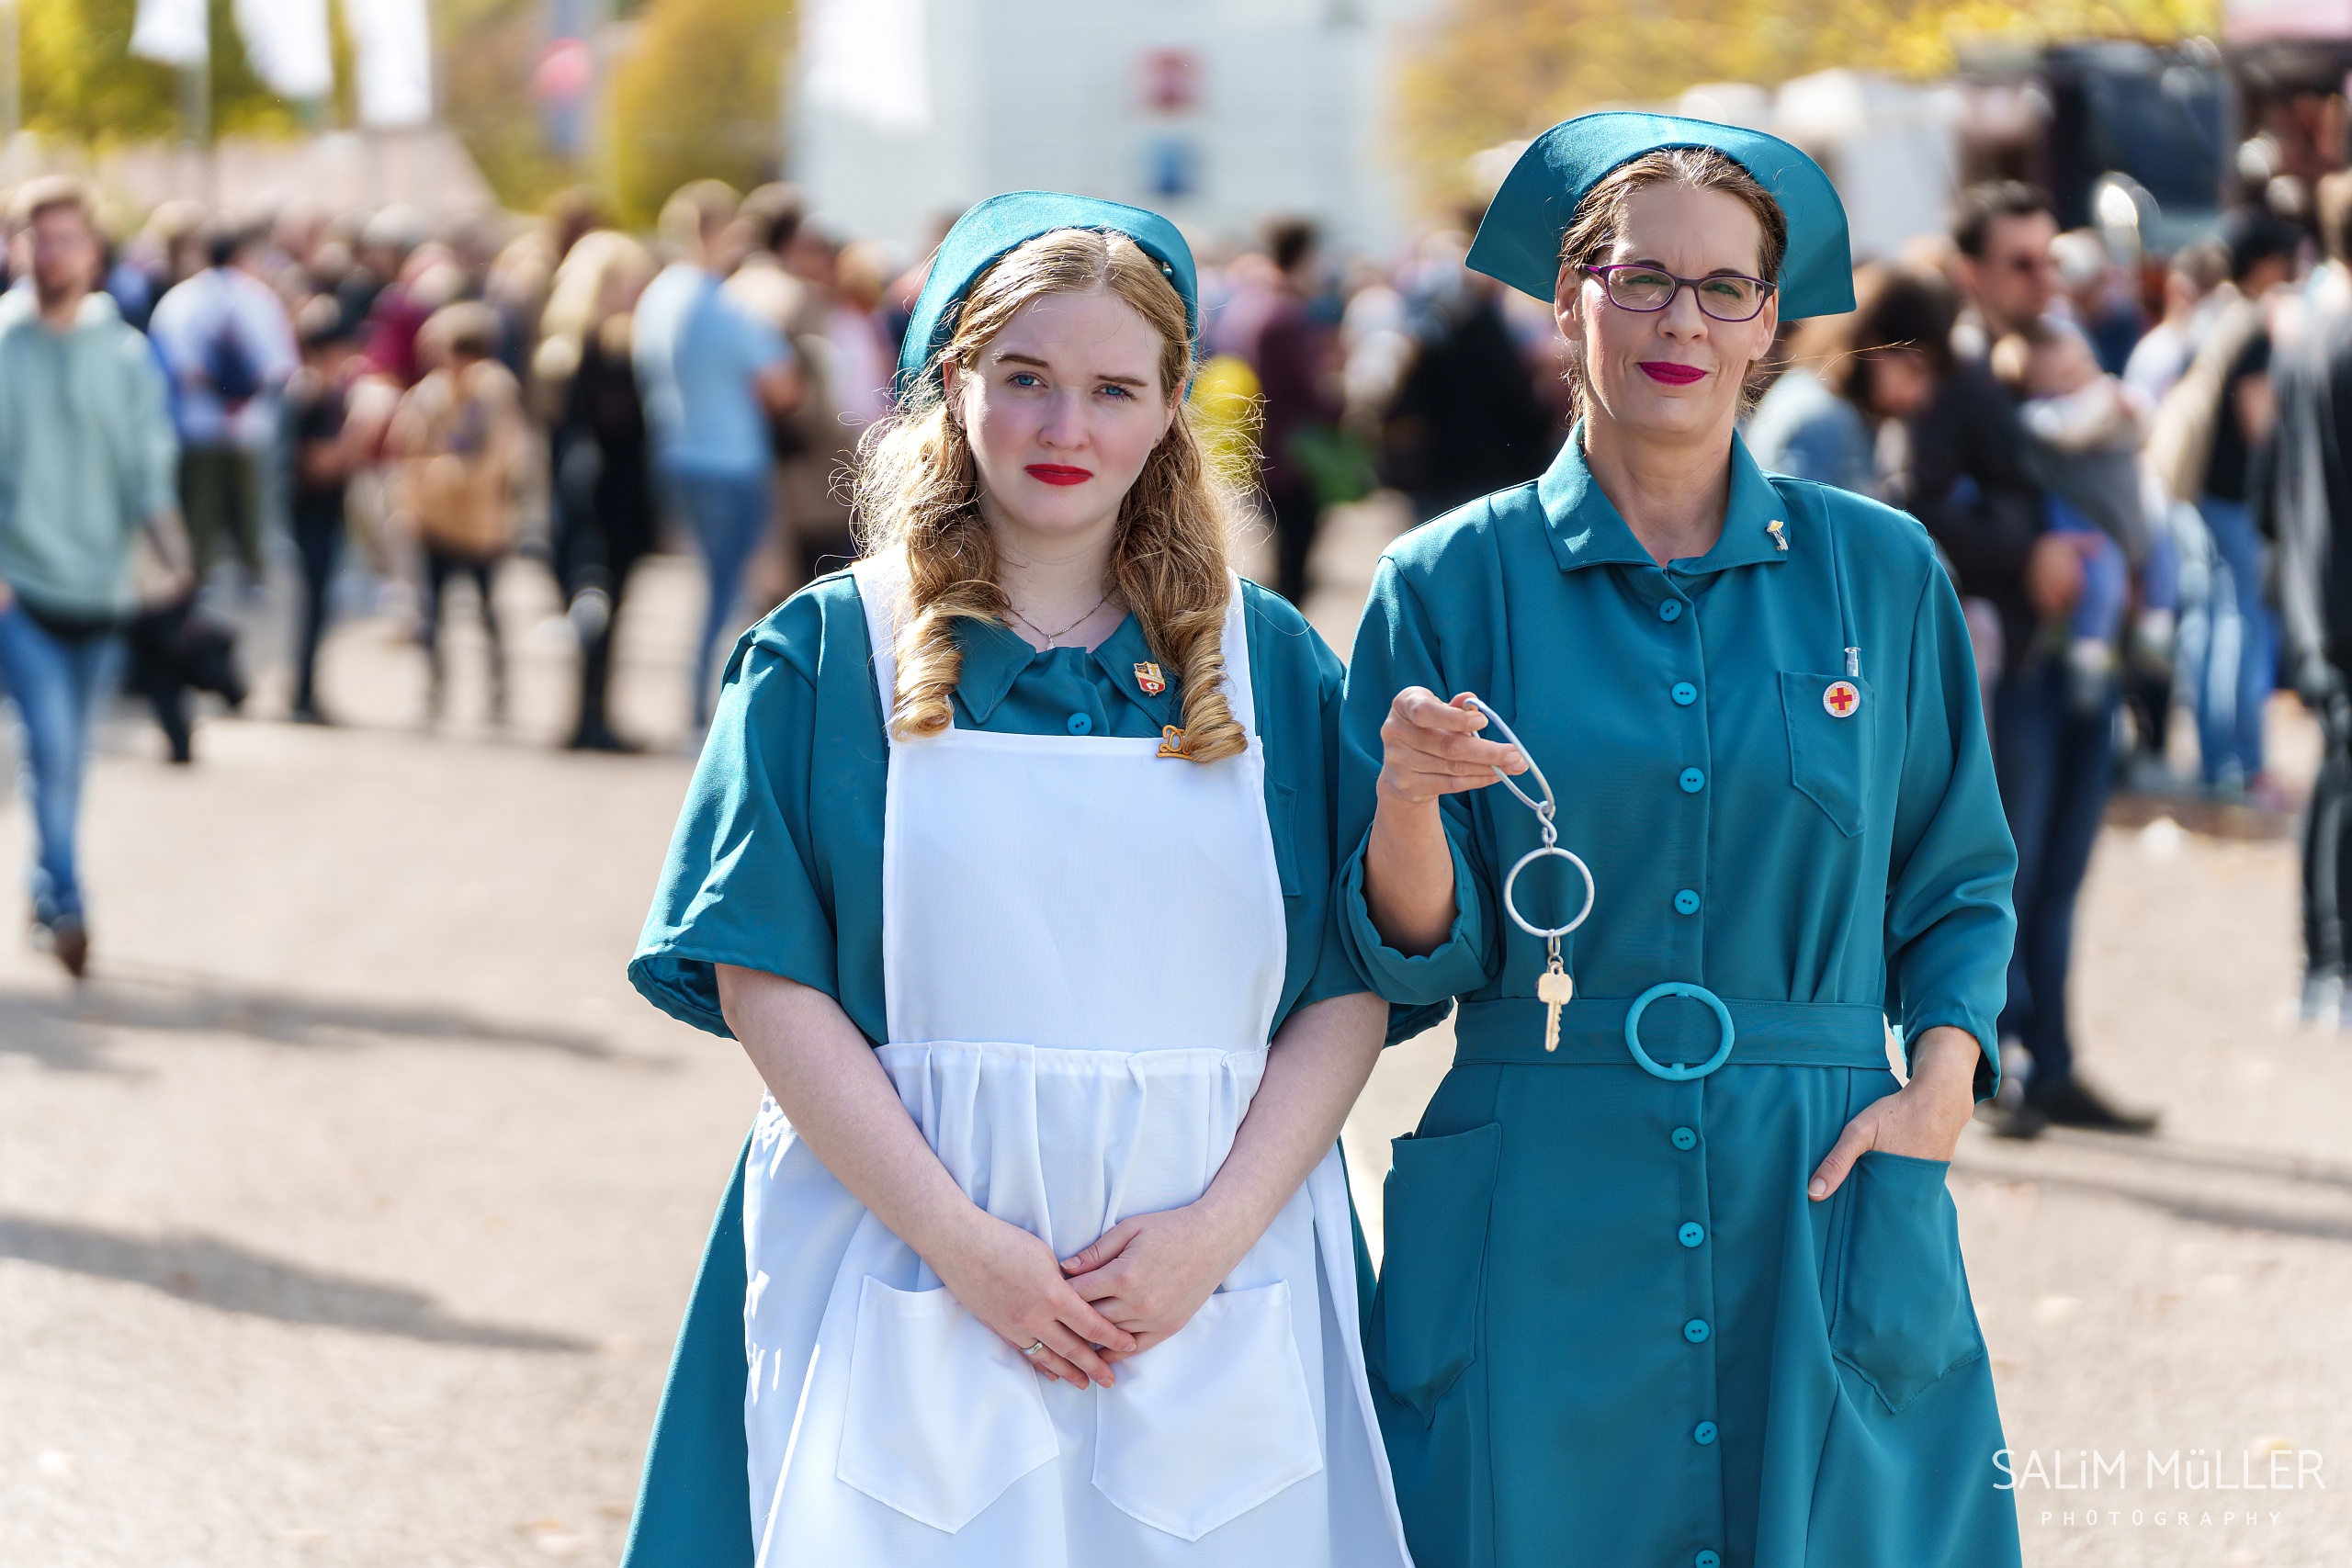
{"points": [[1607, 272]]}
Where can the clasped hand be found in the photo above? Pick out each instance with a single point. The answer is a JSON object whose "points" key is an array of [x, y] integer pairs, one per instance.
{"points": [[1140, 1281]]}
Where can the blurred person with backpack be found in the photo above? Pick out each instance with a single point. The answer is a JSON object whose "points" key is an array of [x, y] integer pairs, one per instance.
{"points": [[228, 348], [460, 439], [86, 458]]}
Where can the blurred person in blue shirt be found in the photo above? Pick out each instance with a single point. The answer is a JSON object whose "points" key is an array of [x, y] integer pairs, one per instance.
{"points": [[228, 348], [712, 375], [86, 455]]}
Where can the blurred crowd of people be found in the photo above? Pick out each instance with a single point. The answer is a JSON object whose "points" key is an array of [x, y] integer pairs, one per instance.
{"points": [[2128, 462], [2131, 465]]}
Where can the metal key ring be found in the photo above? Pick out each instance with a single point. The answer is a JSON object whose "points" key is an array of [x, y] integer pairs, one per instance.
{"points": [[1545, 810], [1510, 908]]}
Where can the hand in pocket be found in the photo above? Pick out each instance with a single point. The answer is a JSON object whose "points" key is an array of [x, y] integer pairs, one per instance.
{"points": [[1150, 1274]]}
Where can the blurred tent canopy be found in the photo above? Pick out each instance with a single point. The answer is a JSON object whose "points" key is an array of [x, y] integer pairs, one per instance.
{"points": [[1497, 70]]}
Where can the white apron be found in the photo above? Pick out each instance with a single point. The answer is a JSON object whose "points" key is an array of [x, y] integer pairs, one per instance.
{"points": [[1083, 948]]}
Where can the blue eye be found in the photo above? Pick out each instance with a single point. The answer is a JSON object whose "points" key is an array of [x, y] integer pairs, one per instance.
{"points": [[1117, 391], [1024, 379]]}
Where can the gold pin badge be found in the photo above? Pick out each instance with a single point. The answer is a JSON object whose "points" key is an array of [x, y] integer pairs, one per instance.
{"points": [[1173, 742], [1150, 679], [1780, 540]]}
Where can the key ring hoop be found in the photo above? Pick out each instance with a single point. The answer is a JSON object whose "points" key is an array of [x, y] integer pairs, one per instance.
{"points": [[1550, 848]]}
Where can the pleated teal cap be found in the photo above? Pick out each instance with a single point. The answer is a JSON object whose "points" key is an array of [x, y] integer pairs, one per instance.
{"points": [[1001, 224], [1518, 242]]}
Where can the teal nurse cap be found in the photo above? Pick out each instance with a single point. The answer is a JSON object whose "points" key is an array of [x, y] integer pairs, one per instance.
{"points": [[1518, 242], [987, 233]]}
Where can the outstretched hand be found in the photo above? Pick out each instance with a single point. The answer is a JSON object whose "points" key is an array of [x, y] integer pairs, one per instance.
{"points": [[1430, 747]]}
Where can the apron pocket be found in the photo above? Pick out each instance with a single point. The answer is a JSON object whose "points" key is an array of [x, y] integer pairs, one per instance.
{"points": [[943, 1414], [1425, 1314], [1205, 1425], [1904, 1319]]}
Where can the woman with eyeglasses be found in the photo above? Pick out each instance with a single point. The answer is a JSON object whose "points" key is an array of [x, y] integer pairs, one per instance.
{"points": [[1672, 1278]]}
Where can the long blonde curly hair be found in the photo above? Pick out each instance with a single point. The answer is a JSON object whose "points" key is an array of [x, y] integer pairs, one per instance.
{"points": [[918, 492]]}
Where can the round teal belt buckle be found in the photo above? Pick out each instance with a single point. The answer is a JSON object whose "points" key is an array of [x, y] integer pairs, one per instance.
{"points": [[1679, 1072]]}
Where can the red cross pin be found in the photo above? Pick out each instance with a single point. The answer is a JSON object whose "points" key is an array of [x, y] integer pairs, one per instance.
{"points": [[1841, 699]]}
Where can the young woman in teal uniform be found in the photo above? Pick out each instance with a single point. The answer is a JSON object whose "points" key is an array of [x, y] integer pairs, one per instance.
{"points": [[1009, 862], [1672, 1278]]}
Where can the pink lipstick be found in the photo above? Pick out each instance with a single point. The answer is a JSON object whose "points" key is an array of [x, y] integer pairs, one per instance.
{"points": [[1057, 474], [1673, 375]]}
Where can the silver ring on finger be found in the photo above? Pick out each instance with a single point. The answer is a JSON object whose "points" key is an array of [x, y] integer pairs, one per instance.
{"points": [[1036, 1350]]}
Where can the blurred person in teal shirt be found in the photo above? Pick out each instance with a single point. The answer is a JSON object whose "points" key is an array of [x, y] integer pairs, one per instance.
{"points": [[86, 461], [1636, 1310]]}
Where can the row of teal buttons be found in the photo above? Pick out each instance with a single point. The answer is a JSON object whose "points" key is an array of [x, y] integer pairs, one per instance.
{"points": [[1696, 1330]]}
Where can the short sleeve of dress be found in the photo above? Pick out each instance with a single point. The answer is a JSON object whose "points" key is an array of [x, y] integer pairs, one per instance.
{"points": [[741, 884]]}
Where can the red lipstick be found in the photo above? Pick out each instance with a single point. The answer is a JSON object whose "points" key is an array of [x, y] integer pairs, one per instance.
{"points": [[1673, 375], [1057, 474]]}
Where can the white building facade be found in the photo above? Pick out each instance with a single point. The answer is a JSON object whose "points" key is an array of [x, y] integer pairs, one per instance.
{"points": [[1218, 113]]}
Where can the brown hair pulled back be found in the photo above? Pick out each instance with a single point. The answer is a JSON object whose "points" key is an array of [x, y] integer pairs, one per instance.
{"points": [[1601, 217], [918, 492]]}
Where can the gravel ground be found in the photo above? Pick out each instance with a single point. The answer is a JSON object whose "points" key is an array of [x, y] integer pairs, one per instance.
{"points": [[347, 1213]]}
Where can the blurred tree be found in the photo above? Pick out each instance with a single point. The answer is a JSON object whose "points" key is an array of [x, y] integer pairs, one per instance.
{"points": [[486, 51], [82, 85], [1496, 70], [697, 94]]}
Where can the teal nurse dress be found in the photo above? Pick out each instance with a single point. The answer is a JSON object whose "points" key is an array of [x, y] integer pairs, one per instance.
{"points": [[776, 865], [1612, 1330]]}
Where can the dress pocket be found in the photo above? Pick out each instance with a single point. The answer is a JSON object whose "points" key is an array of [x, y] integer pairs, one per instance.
{"points": [[1830, 755], [943, 1414], [1205, 1425], [1904, 1319], [1425, 1314]]}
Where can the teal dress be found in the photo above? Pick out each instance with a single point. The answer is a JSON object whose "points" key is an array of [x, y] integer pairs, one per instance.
{"points": [[776, 865], [1612, 1329]]}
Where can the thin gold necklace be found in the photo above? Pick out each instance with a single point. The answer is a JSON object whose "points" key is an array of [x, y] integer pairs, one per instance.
{"points": [[1052, 638]]}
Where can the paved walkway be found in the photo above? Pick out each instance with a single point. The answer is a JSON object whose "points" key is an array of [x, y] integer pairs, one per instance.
{"points": [[347, 1213]]}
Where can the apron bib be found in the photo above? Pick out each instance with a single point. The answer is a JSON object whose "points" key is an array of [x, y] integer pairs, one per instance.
{"points": [[1084, 950]]}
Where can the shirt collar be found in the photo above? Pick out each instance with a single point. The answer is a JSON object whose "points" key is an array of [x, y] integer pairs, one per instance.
{"points": [[995, 657], [1586, 529]]}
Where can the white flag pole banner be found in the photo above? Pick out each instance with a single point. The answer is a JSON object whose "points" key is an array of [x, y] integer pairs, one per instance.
{"points": [[394, 45], [287, 41], [172, 31]]}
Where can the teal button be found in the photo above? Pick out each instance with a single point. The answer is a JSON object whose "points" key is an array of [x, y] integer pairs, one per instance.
{"points": [[1691, 1233], [1704, 1433], [1684, 1138], [1692, 781], [1707, 1559], [1686, 902], [1696, 1331], [1685, 693], [1670, 609], [1081, 725]]}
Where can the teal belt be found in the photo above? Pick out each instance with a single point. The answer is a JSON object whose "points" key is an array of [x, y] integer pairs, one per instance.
{"points": [[1676, 1032]]}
